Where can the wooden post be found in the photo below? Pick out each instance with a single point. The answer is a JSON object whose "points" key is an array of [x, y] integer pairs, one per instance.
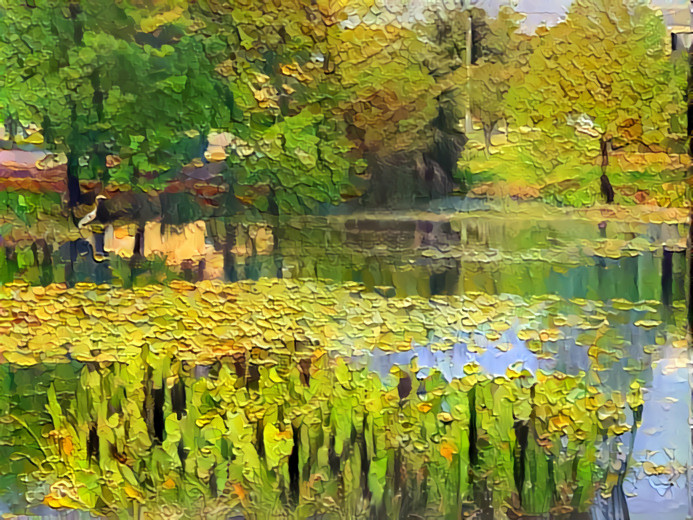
{"points": [[667, 276]]}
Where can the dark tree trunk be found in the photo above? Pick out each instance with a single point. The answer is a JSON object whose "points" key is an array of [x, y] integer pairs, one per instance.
{"points": [[667, 276], [473, 453], [93, 443], [522, 436], [99, 241], [259, 439], [488, 131], [201, 266], [182, 455], [604, 149], [293, 463], [100, 151], [607, 189], [73, 189], [74, 193], [78, 25], [229, 257], [139, 242], [34, 252], [365, 460], [178, 401], [98, 96], [153, 410], [47, 253], [272, 205], [46, 265]]}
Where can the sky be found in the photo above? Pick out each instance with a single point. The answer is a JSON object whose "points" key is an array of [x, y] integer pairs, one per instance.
{"points": [[551, 11]]}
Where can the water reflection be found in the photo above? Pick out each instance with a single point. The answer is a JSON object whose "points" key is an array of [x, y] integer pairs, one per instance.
{"points": [[660, 487], [573, 259], [203, 427]]}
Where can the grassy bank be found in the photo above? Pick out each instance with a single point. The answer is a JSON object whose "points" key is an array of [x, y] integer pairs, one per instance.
{"points": [[565, 170]]}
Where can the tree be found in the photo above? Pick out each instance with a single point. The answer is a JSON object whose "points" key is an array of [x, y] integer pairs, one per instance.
{"points": [[286, 151], [103, 78], [502, 55], [607, 65], [323, 87]]}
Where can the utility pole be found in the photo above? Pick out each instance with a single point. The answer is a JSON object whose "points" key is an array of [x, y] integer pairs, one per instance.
{"points": [[467, 6]]}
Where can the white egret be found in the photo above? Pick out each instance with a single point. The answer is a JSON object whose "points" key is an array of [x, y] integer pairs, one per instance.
{"points": [[89, 217]]}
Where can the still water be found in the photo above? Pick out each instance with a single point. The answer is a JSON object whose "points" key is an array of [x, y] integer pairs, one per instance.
{"points": [[594, 312], [405, 256]]}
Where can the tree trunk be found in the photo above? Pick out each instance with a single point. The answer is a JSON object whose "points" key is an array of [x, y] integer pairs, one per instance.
{"points": [[520, 459], [229, 257], [488, 130], [178, 401], [604, 146], [607, 189], [293, 466], [138, 250], [73, 190], [472, 433], [99, 240], [93, 443], [78, 25], [100, 151], [667, 276]]}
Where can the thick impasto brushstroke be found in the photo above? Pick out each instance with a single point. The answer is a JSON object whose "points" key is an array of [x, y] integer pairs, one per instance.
{"points": [[345, 259]]}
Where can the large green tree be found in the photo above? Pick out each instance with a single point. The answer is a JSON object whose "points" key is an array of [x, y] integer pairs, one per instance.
{"points": [[125, 79], [286, 152], [323, 86]]}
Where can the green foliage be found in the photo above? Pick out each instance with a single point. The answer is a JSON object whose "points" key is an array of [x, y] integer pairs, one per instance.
{"points": [[499, 68], [27, 206], [316, 96], [309, 96], [104, 78]]}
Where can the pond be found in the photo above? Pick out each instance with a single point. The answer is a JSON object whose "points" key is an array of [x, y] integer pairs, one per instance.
{"points": [[407, 255], [438, 365]]}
